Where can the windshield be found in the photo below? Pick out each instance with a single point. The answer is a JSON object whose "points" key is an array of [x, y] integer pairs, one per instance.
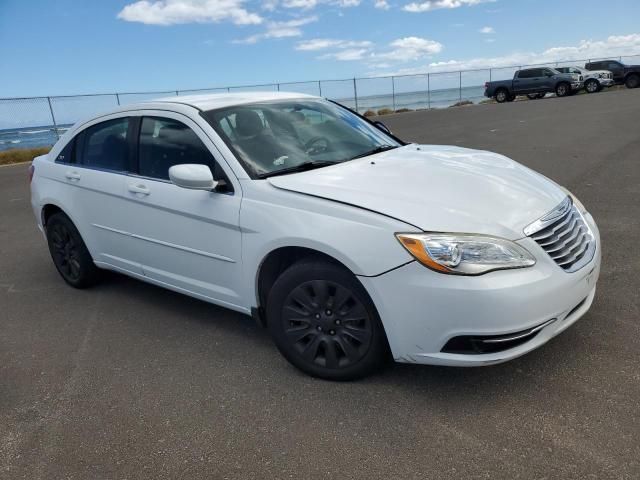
{"points": [[272, 138]]}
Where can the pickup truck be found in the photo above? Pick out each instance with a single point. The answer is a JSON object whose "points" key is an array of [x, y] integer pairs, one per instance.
{"points": [[622, 74], [533, 82], [594, 80]]}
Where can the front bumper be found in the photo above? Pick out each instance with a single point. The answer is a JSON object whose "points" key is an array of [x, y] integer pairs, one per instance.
{"points": [[577, 85], [422, 310], [606, 82]]}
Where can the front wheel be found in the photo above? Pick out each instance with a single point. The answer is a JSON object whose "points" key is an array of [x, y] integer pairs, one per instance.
{"points": [[592, 86], [563, 89], [323, 321], [632, 81], [69, 253]]}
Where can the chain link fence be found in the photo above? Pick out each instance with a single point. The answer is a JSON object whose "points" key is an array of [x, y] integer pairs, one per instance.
{"points": [[40, 121]]}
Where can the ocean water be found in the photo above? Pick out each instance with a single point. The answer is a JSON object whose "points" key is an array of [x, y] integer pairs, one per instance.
{"points": [[30, 137], [45, 135]]}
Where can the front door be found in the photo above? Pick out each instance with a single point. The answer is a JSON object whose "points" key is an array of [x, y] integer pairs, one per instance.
{"points": [[187, 239]]}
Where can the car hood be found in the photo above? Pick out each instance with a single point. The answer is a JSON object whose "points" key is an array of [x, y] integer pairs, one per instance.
{"points": [[436, 188]]}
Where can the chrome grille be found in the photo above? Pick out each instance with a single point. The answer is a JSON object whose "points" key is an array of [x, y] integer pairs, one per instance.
{"points": [[564, 234]]}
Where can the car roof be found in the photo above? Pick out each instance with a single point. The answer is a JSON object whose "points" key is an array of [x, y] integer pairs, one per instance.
{"points": [[212, 101]]}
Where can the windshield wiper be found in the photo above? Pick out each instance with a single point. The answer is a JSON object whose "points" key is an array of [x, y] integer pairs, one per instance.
{"points": [[378, 149], [301, 167]]}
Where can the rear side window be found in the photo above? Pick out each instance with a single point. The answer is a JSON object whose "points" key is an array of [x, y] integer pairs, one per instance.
{"points": [[164, 143], [106, 146], [529, 73]]}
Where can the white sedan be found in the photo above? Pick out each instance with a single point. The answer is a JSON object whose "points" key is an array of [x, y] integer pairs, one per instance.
{"points": [[341, 239]]}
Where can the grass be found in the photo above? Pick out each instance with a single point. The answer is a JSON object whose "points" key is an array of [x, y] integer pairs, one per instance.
{"points": [[461, 103], [21, 155]]}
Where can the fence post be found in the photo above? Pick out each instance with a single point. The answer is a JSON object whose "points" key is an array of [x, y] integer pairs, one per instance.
{"points": [[429, 91], [53, 117], [460, 85], [177, 94], [228, 89], [278, 86], [355, 92], [320, 87], [118, 99], [393, 91]]}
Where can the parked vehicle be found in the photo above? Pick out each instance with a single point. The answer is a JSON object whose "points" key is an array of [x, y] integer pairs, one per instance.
{"points": [[532, 81], [339, 237], [628, 75], [594, 81]]}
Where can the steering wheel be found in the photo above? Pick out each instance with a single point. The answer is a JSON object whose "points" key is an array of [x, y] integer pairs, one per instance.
{"points": [[317, 145]]}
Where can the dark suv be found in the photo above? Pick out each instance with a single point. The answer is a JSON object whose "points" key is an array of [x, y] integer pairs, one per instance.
{"points": [[627, 74]]}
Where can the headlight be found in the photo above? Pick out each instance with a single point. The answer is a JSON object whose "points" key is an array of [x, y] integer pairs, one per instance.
{"points": [[465, 254], [581, 208]]}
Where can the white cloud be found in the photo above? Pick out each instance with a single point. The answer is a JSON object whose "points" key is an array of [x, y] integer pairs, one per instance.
{"points": [[289, 28], [324, 43], [349, 54], [490, 40], [410, 48], [429, 5], [170, 12], [487, 30], [615, 46], [308, 4], [400, 50], [382, 4]]}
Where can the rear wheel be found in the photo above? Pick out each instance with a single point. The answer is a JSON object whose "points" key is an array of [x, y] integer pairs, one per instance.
{"points": [[69, 253], [592, 86], [632, 81], [502, 95], [323, 321], [563, 89]]}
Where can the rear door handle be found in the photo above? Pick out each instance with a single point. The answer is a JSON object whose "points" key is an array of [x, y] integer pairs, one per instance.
{"points": [[72, 175], [139, 189]]}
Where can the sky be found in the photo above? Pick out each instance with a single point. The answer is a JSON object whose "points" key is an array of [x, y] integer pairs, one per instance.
{"points": [[60, 47]]}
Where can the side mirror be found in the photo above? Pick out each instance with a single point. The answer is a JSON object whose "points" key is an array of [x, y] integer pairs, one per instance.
{"points": [[382, 127], [192, 176]]}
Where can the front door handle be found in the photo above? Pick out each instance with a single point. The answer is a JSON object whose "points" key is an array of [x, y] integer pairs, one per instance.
{"points": [[72, 175], [139, 189]]}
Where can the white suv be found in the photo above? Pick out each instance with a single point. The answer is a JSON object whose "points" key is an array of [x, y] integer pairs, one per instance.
{"points": [[594, 80], [346, 242]]}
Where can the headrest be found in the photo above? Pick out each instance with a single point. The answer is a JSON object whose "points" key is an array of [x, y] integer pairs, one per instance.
{"points": [[248, 123]]}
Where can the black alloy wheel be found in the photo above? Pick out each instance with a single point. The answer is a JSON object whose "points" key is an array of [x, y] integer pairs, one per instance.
{"points": [[69, 253], [324, 322]]}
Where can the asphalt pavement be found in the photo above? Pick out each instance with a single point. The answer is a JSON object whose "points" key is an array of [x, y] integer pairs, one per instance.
{"points": [[126, 380]]}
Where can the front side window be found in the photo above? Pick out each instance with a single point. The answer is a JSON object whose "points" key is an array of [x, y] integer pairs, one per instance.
{"points": [[106, 146], [280, 136], [164, 143]]}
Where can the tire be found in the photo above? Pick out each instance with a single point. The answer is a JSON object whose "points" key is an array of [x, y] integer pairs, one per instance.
{"points": [[632, 81], [511, 98], [563, 89], [592, 86], [69, 252], [324, 323], [502, 95]]}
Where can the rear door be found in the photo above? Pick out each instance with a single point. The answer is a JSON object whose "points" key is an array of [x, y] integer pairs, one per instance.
{"points": [[94, 168], [187, 239], [527, 81]]}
